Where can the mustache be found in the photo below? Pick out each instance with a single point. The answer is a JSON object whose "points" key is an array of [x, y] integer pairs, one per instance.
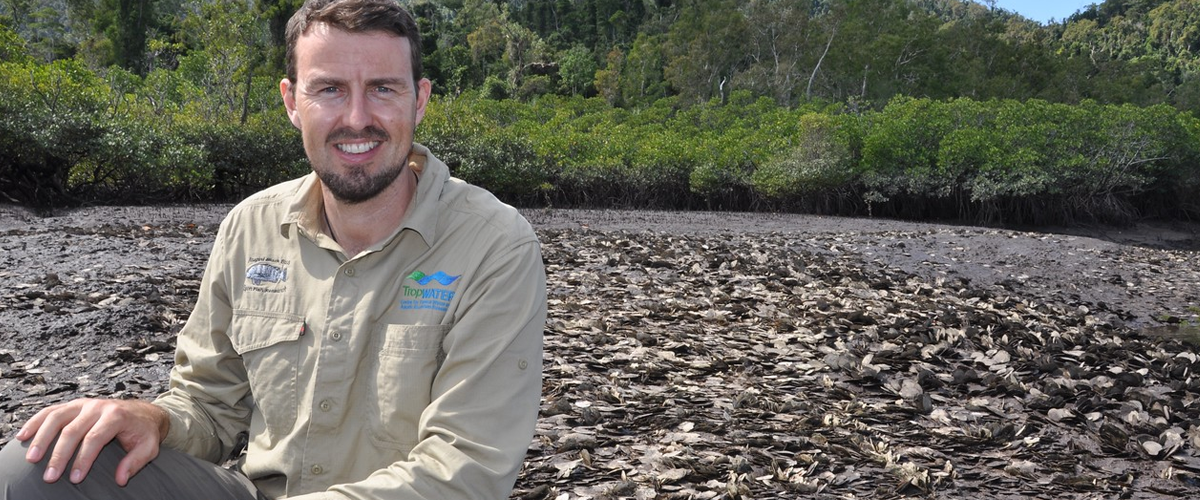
{"points": [[370, 133]]}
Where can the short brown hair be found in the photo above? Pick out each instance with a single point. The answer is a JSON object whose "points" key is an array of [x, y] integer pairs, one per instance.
{"points": [[354, 16]]}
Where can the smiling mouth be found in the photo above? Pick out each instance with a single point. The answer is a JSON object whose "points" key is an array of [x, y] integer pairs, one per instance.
{"points": [[358, 148]]}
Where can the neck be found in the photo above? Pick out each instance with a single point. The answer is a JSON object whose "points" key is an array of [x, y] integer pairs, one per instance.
{"points": [[359, 226]]}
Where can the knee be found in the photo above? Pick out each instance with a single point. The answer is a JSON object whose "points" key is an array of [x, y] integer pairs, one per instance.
{"points": [[22, 480], [14, 469], [12, 456]]}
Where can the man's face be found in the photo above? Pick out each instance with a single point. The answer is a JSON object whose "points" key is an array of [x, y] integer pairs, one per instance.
{"points": [[356, 106]]}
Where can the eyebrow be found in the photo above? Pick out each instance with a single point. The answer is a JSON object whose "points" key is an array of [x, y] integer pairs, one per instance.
{"points": [[322, 82], [389, 82]]}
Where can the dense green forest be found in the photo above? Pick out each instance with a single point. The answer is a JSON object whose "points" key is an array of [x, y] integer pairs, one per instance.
{"points": [[904, 108]]}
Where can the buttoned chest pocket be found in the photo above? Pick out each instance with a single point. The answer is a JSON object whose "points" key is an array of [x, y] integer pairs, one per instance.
{"points": [[408, 357], [269, 346]]}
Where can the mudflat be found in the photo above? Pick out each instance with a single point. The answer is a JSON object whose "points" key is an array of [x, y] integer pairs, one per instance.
{"points": [[733, 355]]}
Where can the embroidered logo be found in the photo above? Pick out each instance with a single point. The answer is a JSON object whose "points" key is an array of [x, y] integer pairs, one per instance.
{"points": [[266, 273], [425, 297], [440, 277]]}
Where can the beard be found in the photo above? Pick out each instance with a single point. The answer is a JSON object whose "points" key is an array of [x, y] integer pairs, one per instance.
{"points": [[358, 186]]}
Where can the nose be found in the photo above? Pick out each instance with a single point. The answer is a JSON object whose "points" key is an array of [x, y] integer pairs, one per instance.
{"points": [[358, 111]]}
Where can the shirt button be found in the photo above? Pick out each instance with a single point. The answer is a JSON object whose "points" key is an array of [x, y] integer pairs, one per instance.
{"points": [[336, 336], [522, 364], [349, 272], [317, 470], [326, 405]]}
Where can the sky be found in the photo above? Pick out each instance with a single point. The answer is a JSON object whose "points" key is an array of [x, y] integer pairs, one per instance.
{"points": [[1043, 10]]}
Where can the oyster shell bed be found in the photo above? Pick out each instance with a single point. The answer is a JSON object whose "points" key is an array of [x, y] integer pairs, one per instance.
{"points": [[712, 355]]}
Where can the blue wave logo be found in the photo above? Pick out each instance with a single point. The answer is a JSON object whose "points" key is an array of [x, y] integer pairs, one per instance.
{"points": [[440, 277]]}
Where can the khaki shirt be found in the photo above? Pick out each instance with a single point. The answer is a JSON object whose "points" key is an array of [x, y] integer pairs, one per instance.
{"points": [[412, 370]]}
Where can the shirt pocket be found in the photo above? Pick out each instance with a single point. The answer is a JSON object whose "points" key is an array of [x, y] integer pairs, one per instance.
{"points": [[270, 349], [407, 358]]}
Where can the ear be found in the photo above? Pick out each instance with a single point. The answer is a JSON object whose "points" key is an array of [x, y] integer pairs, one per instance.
{"points": [[288, 90], [424, 88]]}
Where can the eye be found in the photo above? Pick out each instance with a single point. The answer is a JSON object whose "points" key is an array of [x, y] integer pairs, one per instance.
{"points": [[384, 90]]}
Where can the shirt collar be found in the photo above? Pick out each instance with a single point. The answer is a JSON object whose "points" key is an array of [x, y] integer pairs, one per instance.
{"points": [[304, 210], [422, 215]]}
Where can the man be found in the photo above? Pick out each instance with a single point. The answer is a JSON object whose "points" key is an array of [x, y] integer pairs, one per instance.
{"points": [[373, 330]]}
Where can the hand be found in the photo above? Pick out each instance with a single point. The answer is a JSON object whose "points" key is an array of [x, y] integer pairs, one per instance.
{"points": [[89, 425]]}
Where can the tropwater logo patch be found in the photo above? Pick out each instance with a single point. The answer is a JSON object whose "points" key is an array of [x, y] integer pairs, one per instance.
{"points": [[426, 296]]}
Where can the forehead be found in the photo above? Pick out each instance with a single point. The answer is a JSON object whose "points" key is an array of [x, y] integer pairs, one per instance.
{"points": [[326, 49]]}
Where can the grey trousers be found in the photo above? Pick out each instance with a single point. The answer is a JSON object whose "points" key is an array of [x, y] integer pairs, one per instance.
{"points": [[173, 475]]}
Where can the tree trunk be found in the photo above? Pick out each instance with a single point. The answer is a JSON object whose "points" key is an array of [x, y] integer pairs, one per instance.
{"points": [[817, 67]]}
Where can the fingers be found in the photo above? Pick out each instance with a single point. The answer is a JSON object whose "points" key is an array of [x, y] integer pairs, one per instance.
{"points": [[30, 428], [101, 422], [74, 424], [89, 448], [34, 452], [45, 427], [84, 427], [136, 457]]}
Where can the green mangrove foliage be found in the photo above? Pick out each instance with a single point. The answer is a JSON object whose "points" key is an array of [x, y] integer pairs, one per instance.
{"points": [[986, 161], [1028, 161], [70, 135]]}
